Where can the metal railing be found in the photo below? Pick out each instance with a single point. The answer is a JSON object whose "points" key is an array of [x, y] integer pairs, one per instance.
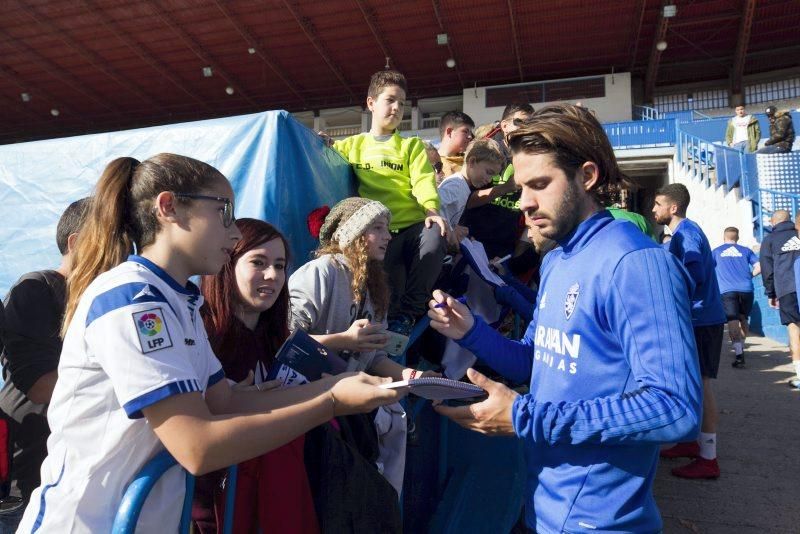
{"points": [[768, 202], [716, 165], [137, 491], [343, 131], [680, 116], [646, 113], [641, 134], [339, 132]]}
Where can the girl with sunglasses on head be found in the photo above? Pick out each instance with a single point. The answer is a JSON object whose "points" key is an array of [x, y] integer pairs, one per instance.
{"points": [[246, 316], [137, 374]]}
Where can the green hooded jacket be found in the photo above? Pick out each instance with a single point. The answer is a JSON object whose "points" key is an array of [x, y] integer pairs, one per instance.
{"points": [[753, 134]]}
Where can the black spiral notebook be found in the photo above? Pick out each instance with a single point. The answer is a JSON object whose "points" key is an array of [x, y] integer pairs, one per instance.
{"points": [[301, 359], [435, 388]]}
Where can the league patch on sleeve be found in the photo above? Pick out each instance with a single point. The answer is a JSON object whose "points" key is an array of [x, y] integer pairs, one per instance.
{"points": [[152, 330]]}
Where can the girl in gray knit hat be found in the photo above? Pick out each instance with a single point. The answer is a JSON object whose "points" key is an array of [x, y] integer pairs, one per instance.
{"points": [[341, 298]]}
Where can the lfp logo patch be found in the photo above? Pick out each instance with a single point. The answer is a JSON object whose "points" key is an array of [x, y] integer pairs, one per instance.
{"points": [[152, 330], [149, 324]]}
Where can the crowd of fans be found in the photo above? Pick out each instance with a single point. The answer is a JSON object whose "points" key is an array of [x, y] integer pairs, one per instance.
{"points": [[115, 356]]}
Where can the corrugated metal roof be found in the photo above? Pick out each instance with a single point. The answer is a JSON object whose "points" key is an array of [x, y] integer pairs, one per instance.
{"points": [[113, 64]]}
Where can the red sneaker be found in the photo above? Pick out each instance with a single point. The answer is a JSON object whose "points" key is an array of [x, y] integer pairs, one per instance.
{"points": [[687, 449], [699, 468]]}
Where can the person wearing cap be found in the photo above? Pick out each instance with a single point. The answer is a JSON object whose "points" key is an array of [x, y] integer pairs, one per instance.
{"points": [[341, 299], [781, 132]]}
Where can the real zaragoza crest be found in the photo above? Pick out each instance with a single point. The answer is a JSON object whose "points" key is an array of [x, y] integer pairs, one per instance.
{"points": [[572, 299]]}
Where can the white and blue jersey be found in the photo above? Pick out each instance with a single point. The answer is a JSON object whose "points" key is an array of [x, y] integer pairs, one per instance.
{"points": [[613, 371], [136, 338], [690, 245], [734, 268]]}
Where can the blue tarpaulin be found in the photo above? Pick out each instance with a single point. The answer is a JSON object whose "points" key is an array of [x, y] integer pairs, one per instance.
{"points": [[279, 170]]}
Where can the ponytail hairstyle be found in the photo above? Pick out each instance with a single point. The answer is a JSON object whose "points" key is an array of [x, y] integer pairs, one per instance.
{"points": [[368, 274], [121, 214], [221, 295]]}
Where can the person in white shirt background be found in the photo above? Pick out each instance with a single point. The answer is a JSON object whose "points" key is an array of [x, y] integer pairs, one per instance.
{"points": [[483, 159], [743, 131]]}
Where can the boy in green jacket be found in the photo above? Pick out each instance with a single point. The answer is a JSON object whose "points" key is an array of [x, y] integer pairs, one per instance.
{"points": [[396, 172]]}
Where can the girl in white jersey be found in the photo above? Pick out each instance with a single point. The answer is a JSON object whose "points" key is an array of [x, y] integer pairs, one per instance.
{"points": [[137, 374]]}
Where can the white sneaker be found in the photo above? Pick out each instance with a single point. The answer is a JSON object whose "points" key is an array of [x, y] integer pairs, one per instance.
{"points": [[794, 383]]}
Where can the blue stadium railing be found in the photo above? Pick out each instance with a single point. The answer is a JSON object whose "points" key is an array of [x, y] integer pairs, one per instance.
{"points": [[137, 491], [641, 134]]}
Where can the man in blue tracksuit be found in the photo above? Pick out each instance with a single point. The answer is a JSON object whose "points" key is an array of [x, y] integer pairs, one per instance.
{"points": [[610, 353], [779, 252], [736, 267], [690, 245]]}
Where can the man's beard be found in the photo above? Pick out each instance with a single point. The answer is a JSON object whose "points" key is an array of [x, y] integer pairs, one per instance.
{"points": [[566, 215], [662, 220]]}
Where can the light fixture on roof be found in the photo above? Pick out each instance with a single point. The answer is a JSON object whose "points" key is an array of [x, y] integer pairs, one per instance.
{"points": [[54, 112], [669, 11], [26, 97], [207, 72], [450, 63], [441, 39], [251, 51], [229, 90], [661, 46]]}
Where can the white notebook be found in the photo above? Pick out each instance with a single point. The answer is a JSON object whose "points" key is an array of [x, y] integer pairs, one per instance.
{"points": [[475, 254], [438, 388]]}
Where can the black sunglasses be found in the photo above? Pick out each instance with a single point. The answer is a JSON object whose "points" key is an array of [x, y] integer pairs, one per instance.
{"points": [[438, 166], [225, 211]]}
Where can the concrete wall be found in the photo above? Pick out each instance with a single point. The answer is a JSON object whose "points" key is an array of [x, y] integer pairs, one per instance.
{"points": [[615, 106], [714, 209]]}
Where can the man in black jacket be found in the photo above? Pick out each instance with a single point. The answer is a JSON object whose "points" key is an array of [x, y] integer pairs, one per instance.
{"points": [[779, 250], [34, 307], [781, 132]]}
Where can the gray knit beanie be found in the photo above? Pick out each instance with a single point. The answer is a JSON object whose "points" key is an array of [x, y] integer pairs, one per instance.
{"points": [[349, 219]]}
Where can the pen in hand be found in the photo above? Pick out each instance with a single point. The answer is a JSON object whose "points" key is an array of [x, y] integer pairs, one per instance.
{"points": [[443, 304], [501, 260]]}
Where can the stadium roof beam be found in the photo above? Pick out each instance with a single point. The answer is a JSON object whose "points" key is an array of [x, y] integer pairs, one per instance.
{"points": [[39, 92], [62, 75], [253, 43], [655, 58], [20, 107], [729, 58], [200, 52], [742, 42], [143, 54], [699, 21], [437, 12], [90, 56], [311, 33], [515, 40], [372, 23], [638, 33]]}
